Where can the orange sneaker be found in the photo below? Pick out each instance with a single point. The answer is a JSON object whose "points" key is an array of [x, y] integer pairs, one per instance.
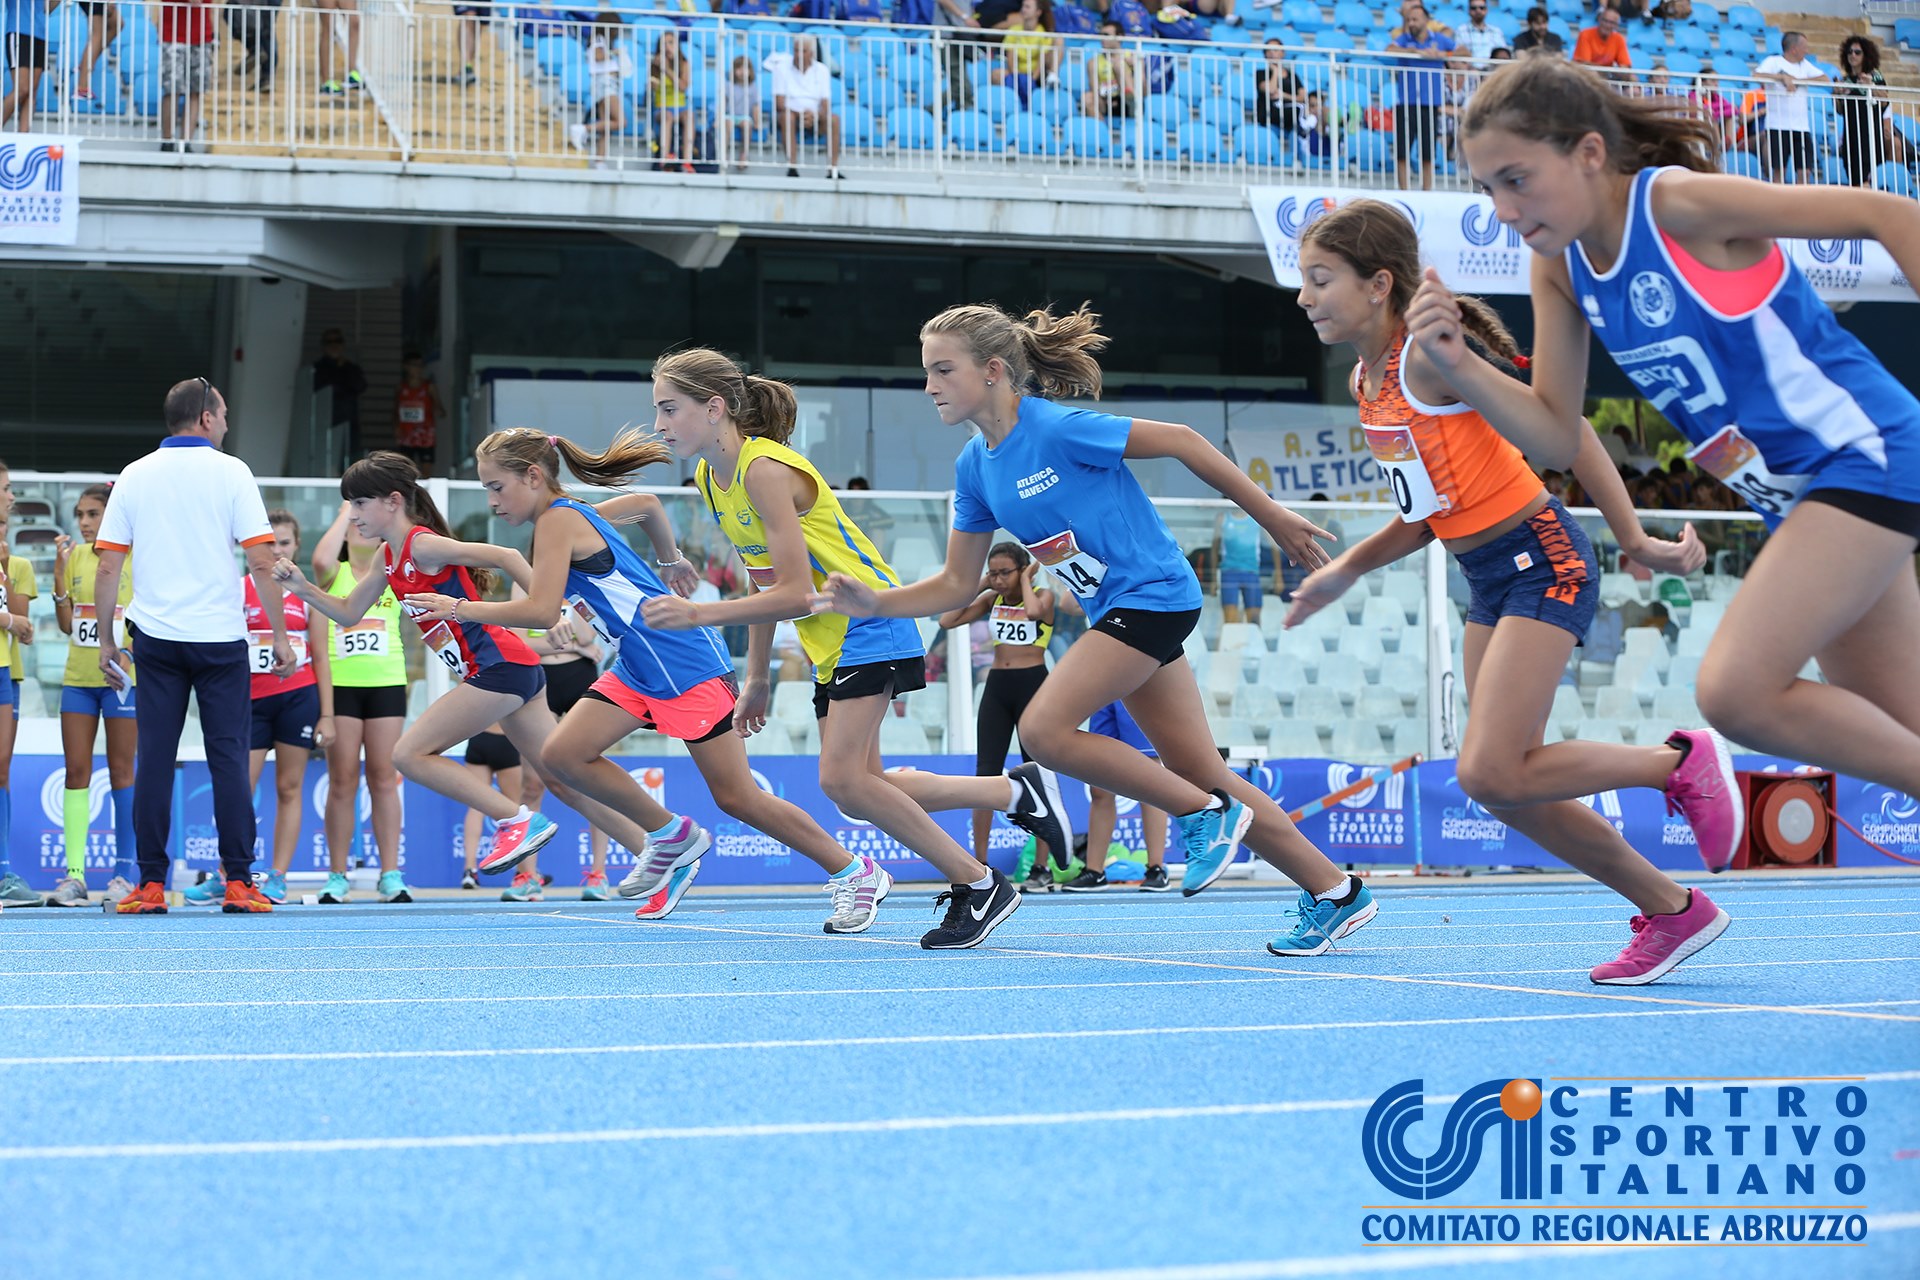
{"points": [[150, 899], [244, 899]]}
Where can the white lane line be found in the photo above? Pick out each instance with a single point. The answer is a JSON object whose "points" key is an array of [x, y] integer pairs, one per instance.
{"points": [[580, 1137], [130, 1006], [1390, 1260]]}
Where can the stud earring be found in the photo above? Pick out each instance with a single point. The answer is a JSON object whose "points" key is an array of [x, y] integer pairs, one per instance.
{"points": [[989, 381]]}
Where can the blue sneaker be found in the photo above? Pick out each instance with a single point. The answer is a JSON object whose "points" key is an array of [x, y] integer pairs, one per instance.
{"points": [[1211, 839], [211, 892], [1320, 924], [664, 900], [274, 887], [337, 890]]}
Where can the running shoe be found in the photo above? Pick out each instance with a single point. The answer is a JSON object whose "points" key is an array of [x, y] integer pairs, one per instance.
{"points": [[244, 899], [1088, 881], [1038, 810], [150, 899], [70, 892], [468, 880], [337, 890], [662, 858], [355, 80], [1702, 788], [517, 839], [1039, 880], [1156, 880], [118, 888], [393, 887], [668, 895], [972, 914], [1660, 943], [1319, 924], [1211, 838], [857, 898], [333, 89], [525, 888], [593, 887], [14, 893], [274, 888], [208, 892]]}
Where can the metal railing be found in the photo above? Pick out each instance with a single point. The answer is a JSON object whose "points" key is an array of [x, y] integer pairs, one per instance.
{"points": [[912, 105]]}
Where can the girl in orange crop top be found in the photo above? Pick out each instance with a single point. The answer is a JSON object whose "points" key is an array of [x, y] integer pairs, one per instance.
{"points": [[1531, 568]]}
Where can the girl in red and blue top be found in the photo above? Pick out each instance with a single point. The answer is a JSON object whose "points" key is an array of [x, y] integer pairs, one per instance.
{"points": [[498, 678]]}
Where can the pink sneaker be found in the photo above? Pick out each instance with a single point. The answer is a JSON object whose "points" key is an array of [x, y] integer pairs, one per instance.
{"points": [[1662, 942], [516, 840], [1703, 788]]}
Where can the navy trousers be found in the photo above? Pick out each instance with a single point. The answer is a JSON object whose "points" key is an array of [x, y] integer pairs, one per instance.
{"points": [[217, 675]]}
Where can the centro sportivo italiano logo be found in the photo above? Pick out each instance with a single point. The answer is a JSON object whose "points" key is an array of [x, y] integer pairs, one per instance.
{"points": [[1631, 1160]]}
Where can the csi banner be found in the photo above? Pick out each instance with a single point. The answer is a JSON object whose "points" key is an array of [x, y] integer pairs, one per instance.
{"points": [[1474, 253], [39, 189]]}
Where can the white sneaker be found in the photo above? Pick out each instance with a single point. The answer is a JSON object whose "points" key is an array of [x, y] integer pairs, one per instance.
{"points": [[70, 892], [857, 898], [118, 888], [661, 858], [577, 136]]}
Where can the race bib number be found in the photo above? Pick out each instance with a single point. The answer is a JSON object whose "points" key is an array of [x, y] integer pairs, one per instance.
{"points": [[413, 414], [1079, 572], [762, 575], [86, 627], [584, 612], [442, 645], [1011, 625], [1736, 462], [366, 638], [260, 652], [1399, 460]]}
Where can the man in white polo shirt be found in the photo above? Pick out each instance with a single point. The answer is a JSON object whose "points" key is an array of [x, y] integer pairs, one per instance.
{"points": [[802, 99], [179, 511]]}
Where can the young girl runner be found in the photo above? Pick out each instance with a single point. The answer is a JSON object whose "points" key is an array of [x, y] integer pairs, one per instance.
{"points": [[1678, 271], [1022, 627], [292, 715], [369, 711], [1057, 480], [1532, 571], [497, 677], [86, 701], [13, 624], [792, 533], [679, 682]]}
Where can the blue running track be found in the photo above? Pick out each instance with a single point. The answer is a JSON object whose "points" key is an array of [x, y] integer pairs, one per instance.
{"points": [[1120, 1087]]}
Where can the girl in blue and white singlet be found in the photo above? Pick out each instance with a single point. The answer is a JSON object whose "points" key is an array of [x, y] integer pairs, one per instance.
{"points": [[679, 682], [1678, 271], [1056, 478]]}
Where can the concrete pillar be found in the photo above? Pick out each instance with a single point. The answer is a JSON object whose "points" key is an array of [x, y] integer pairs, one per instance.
{"points": [[268, 412]]}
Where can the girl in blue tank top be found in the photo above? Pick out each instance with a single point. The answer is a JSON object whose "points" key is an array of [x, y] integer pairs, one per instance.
{"points": [[1677, 270], [679, 682], [1056, 478]]}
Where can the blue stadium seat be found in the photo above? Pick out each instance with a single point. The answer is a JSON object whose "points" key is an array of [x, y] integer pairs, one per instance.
{"points": [[1033, 134], [1684, 64], [1706, 17], [881, 96], [1333, 38], [996, 100], [1895, 178], [857, 126], [1200, 143], [1054, 104], [1742, 164], [1167, 113], [1727, 65], [1353, 17], [1740, 44], [1906, 33], [1223, 34], [1074, 78], [972, 131], [1089, 139], [1222, 114], [1832, 172], [913, 129], [1256, 144], [1694, 40], [1302, 15], [1744, 17], [1371, 150]]}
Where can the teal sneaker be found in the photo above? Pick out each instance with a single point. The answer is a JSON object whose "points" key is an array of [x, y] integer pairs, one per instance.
{"points": [[594, 887], [1320, 924], [337, 890], [393, 887], [1211, 838], [211, 892], [274, 887], [525, 888], [14, 893]]}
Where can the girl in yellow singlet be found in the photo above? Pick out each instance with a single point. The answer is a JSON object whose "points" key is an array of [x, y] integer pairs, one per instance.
{"points": [[86, 701], [16, 592], [791, 532]]}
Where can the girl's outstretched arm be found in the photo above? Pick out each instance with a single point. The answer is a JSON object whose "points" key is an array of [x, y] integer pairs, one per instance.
{"points": [[1295, 534]]}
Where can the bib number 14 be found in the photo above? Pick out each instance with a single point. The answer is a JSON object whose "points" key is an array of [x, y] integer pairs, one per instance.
{"points": [[1078, 571]]}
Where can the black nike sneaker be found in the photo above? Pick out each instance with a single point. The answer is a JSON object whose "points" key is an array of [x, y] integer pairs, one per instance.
{"points": [[972, 914], [1040, 813]]}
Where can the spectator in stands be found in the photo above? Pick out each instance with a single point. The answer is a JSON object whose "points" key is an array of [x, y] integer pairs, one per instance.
{"points": [[1479, 37], [417, 412], [1538, 37], [1864, 127], [1439, 28], [325, 28], [1311, 125], [1110, 78], [186, 70], [1221, 9], [1629, 10], [1416, 117], [669, 82], [1171, 22], [346, 379], [1671, 11], [1601, 45], [608, 68], [25, 25], [103, 28], [1032, 54], [1720, 109], [743, 108], [1276, 90], [471, 16], [958, 16], [802, 99], [860, 484], [1789, 113], [997, 15], [1236, 541], [864, 11]]}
